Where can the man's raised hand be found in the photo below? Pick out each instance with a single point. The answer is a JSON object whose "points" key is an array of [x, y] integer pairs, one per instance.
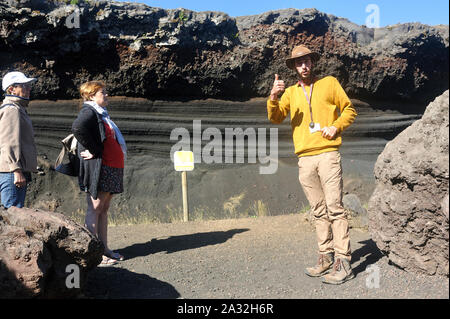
{"points": [[278, 87]]}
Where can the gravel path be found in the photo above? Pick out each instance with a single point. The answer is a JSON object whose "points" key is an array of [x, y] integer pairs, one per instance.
{"points": [[260, 257]]}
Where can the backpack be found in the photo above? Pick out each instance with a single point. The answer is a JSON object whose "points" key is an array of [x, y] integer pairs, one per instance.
{"points": [[72, 168]]}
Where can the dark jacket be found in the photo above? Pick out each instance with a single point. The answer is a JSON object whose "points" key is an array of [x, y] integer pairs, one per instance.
{"points": [[90, 133]]}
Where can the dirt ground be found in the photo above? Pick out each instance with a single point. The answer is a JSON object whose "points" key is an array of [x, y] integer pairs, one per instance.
{"points": [[248, 258]]}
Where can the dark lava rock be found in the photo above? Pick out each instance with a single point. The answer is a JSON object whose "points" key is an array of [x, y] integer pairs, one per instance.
{"points": [[36, 248]]}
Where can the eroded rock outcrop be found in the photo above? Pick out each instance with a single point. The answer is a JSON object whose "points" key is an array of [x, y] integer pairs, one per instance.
{"points": [[36, 248], [148, 52], [408, 210]]}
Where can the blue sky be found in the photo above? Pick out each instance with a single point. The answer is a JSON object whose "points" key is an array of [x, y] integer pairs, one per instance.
{"points": [[429, 12]]}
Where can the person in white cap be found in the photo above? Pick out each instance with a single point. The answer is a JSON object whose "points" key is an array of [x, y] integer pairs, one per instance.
{"points": [[18, 156]]}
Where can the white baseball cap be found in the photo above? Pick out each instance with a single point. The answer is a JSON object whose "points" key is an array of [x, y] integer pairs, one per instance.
{"points": [[15, 78]]}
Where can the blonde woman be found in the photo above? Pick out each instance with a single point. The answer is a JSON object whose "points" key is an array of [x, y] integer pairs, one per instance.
{"points": [[102, 152]]}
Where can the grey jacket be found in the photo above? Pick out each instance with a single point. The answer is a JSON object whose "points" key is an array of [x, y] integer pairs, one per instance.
{"points": [[17, 147]]}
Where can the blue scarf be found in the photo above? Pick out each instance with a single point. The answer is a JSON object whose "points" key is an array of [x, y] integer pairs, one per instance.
{"points": [[105, 117]]}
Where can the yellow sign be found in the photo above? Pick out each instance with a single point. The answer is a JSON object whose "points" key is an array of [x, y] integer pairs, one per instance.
{"points": [[184, 161]]}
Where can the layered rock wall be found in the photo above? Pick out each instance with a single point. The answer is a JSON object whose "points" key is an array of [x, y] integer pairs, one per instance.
{"points": [[156, 61], [148, 52]]}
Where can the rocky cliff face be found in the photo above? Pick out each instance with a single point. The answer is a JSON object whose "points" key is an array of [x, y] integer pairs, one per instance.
{"points": [[165, 58], [148, 52]]}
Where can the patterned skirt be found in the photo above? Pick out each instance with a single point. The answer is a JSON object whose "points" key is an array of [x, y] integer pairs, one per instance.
{"points": [[111, 180]]}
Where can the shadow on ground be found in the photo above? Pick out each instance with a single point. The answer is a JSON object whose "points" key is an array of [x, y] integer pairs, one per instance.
{"points": [[118, 283], [370, 254], [178, 243]]}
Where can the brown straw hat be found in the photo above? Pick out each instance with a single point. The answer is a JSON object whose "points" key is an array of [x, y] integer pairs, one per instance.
{"points": [[298, 52]]}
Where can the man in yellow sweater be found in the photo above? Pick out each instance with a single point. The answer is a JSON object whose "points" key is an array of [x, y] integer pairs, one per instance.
{"points": [[320, 111]]}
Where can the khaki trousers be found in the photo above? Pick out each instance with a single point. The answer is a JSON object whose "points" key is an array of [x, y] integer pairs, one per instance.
{"points": [[321, 180]]}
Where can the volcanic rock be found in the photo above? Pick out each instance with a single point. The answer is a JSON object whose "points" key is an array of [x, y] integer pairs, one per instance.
{"points": [[408, 211], [40, 251]]}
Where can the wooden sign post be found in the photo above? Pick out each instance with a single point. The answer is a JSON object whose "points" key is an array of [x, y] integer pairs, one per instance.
{"points": [[185, 196], [184, 161]]}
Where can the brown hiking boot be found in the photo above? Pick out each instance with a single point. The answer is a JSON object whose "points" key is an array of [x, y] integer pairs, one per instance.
{"points": [[323, 266], [342, 272]]}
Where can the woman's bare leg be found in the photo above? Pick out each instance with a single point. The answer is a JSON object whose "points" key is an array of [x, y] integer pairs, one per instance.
{"points": [[103, 221], [97, 216], [92, 213]]}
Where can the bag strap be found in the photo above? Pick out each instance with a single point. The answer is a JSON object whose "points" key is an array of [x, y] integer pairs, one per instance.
{"points": [[70, 143], [4, 105], [60, 157]]}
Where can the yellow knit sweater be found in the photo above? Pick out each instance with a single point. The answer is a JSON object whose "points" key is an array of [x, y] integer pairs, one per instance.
{"points": [[328, 98]]}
